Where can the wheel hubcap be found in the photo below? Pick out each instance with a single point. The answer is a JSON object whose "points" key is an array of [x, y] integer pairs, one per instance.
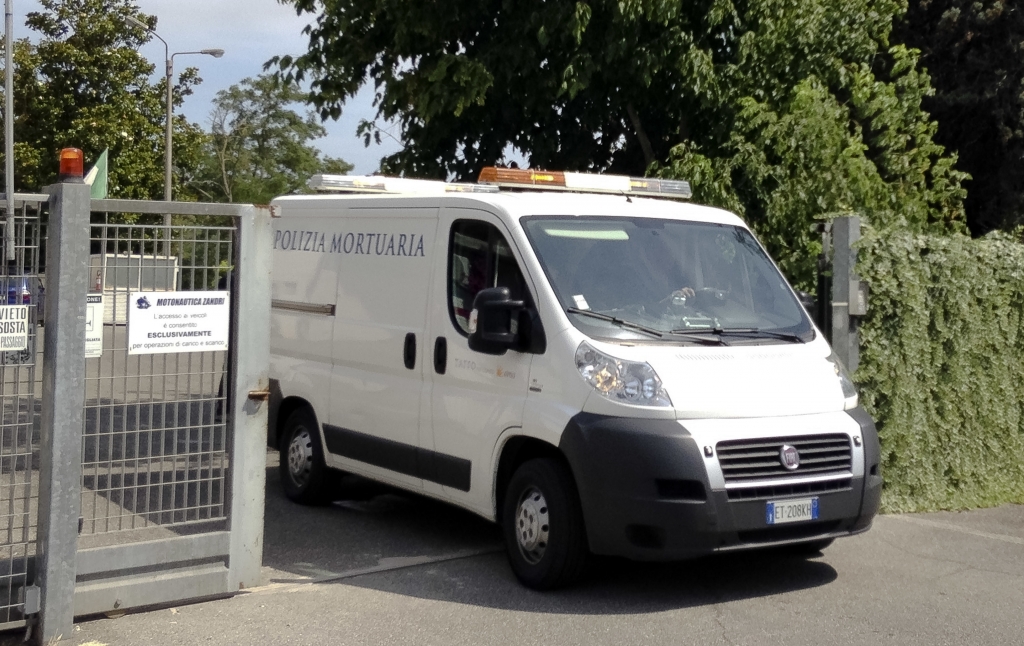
{"points": [[300, 457], [532, 525]]}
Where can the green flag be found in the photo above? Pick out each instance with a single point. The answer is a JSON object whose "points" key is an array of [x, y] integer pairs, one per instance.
{"points": [[97, 178]]}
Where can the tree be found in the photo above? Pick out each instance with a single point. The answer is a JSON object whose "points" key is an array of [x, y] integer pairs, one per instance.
{"points": [[259, 146], [782, 110], [972, 49], [821, 125], [85, 85]]}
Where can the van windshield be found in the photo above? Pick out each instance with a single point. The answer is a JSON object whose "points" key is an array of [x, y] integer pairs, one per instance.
{"points": [[633, 278]]}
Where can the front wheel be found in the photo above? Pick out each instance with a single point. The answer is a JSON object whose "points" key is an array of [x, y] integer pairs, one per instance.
{"points": [[304, 474], [542, 523]]}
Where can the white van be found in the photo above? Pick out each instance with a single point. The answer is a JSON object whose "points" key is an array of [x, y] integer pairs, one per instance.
{"points": [[596, 371]]}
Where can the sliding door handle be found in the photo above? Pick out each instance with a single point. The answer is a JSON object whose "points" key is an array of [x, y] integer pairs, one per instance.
{"points": [[440, 355], [409, 352]]}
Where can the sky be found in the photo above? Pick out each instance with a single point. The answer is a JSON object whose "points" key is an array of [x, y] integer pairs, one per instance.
{"points": [[250, 32]]}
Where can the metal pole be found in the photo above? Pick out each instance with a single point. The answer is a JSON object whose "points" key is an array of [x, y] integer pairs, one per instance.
{"points": [[167, 149], [168, 74], [169, 127], [824, 313], [63, 401], [845, 340], [9, 128], [249, 363], [167, 144]]}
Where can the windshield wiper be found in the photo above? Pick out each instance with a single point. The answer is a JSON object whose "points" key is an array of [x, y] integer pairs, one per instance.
{"points": [[763, 333], [629, 325], [753, 331], [617, 321], [695, 331]]}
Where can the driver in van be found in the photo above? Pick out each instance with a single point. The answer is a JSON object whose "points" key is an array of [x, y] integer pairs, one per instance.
{"points": [[662, 264], [683, 292]]}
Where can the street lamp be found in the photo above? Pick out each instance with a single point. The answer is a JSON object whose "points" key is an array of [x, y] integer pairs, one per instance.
{"points": [[169, 58]]}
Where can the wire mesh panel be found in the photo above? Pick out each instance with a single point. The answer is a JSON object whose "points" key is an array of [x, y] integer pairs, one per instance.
{"points": [[21, 283], [155, 441]]}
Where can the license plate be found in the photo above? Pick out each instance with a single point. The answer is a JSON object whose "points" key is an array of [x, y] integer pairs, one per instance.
{"points": [[791, 511]]}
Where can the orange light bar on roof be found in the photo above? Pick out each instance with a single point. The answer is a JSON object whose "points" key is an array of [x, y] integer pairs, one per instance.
{"points": [[584, 182], [520, 177]]}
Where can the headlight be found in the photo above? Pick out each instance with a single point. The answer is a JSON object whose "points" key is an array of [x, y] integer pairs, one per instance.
{"points": [[849, 390], [628, 382]]}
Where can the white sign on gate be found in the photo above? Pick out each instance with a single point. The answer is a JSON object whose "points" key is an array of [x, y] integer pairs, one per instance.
{"points": [[163, 322], [13, 328], [93, 326]]}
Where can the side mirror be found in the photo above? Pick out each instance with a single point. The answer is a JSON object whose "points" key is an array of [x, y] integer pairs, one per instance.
{"points": [[494, 322]]}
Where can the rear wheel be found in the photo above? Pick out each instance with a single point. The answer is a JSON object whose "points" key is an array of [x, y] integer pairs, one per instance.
{"points": [[542, 523], [304, 474]]}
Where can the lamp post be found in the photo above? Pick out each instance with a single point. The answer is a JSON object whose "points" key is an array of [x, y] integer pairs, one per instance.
{"points": [[169, 59], [9, 129]]}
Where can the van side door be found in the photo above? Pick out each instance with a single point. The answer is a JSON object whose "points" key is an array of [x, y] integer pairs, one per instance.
{"points": [[377, 393], [474, 397]]}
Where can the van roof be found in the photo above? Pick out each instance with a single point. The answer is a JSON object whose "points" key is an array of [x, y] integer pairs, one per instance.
{"points": [[522, 203]]}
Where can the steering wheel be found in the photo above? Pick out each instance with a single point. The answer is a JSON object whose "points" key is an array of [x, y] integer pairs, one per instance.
{"points": [[703, 296]]}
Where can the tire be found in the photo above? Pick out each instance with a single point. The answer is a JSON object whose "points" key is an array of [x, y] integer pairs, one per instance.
{"points": [[305, 476], [542, 524]]}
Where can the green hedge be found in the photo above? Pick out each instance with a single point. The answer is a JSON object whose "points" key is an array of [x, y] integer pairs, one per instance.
{"points": [[942, 367]]}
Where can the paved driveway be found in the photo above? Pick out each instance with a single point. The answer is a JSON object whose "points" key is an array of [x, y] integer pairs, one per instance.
{"points": [[395, 569]]}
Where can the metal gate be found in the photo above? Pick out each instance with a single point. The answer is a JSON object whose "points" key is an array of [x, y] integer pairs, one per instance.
{"points": [[19, 394], [149, 469]]}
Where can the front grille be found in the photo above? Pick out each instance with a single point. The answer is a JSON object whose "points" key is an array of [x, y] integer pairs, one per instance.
{"points": [[779, 491], [758, 459]]}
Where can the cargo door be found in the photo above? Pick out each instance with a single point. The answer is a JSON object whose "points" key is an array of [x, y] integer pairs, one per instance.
{"points": [[374, 427]]}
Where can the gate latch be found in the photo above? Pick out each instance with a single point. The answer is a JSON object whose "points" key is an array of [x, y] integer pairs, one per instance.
{"points": [[260, 395], [32, 599]]}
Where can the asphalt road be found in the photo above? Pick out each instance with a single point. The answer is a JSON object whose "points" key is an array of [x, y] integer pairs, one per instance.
{"points": [[398, 569]]}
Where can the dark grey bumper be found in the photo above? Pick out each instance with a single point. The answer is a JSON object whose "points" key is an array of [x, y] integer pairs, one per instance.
{"points": [[646, 496]]}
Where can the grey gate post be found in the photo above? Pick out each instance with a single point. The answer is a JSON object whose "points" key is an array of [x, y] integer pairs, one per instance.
{"points": [[60, 441], [250, 331], [845, 287]]}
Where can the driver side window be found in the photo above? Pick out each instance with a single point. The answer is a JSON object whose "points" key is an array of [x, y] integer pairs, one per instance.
{"points": [[478, 257]]}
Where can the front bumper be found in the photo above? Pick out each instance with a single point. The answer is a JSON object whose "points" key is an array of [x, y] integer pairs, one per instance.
{"points": [[646, 493]]}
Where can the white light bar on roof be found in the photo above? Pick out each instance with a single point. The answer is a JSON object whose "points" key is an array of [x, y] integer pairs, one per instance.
{"points": [[595, 182], [585, 182], [395, 185], [675, 188]]}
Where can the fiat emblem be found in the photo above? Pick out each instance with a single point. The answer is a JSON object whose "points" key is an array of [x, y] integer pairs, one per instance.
{"points": [[789, 457]]}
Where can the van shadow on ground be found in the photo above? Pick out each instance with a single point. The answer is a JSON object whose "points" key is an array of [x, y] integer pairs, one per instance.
{"points": [[381, 526]]}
